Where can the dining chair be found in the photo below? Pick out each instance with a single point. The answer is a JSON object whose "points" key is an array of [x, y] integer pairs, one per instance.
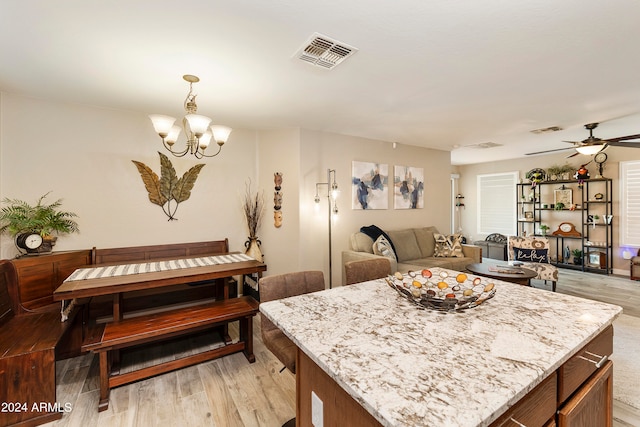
{"points": [[366, 269], [278, 287], [533, 252]]}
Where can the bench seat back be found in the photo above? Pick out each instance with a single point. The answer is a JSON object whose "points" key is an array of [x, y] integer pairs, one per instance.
{"points": [[144, 253]]}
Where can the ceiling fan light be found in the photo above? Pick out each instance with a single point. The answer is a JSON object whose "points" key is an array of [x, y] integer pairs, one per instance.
{"points": [[589, 149]]}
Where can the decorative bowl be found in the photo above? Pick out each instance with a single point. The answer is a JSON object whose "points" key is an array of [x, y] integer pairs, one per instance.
{"points": [[442, 292]]}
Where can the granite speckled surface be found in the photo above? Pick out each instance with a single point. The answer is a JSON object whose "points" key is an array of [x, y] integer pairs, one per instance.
{"points": [[413, 367]]}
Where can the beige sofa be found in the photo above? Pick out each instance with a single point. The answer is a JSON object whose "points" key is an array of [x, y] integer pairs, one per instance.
{"points": [[414, 249]]}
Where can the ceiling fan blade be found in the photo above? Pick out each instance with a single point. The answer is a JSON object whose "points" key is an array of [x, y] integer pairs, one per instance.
{"points": [[623, 138], [631, 144], [548, 151], [572, 155]]}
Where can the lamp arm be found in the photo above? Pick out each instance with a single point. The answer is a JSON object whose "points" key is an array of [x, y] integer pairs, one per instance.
{"points": [[175, 153], [200, 153]]}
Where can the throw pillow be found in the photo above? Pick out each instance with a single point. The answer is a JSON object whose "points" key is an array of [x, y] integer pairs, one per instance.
{"points": [[531, 255], [383, 247], [448, 245], [374, 232]]}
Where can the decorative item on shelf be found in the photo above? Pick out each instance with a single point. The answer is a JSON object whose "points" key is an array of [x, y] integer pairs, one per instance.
{"points": [[442, 293], [332, 195], [557, 172], [566, 253], [597, 259], [528, 216], [563, 195], [253, 207], [536, 176], [277, 200], [566, 229], [581, 174], [33, 226], [544, 228], [577, 256], [593, 220], [168, 187], [600, 158], [598, 196], [196, 128], [558, 206], [608, 218]]}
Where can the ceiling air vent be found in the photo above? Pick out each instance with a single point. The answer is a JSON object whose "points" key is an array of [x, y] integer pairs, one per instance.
{"points": [[483, 145], [324, 52], [547, 130]]}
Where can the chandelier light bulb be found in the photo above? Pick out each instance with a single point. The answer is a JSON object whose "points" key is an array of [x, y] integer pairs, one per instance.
{"points": [[204, 140], [173, 135], [162, 124], [220, 133]]}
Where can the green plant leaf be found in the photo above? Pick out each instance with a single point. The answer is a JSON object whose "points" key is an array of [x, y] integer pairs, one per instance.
{"points": [[182, 190], [151, 183]]}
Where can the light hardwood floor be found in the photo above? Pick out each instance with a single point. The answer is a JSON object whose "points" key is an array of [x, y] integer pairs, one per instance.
{"points": [[230, 392]]}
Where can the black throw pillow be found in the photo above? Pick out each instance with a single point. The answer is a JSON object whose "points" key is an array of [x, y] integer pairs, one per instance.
{"points": [[374, 232]]}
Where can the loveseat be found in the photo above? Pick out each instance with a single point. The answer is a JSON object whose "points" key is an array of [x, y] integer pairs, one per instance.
{"points": [[412, 249]]}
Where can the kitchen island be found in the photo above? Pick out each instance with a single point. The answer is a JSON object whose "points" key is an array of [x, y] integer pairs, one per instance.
{"points": [[404, 366]]}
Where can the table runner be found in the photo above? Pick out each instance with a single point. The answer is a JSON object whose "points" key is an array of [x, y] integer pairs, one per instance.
{"points": [[154, 266]]}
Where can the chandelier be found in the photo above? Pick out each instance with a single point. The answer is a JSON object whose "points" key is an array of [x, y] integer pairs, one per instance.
{"points": [[196, 128]]}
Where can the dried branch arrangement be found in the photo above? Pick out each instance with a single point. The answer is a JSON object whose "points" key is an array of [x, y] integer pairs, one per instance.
{"points": [[253, 206]]}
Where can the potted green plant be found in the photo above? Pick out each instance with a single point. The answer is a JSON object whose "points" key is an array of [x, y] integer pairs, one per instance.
{"points": [[33, 226], [577, 256], [544, 228]]}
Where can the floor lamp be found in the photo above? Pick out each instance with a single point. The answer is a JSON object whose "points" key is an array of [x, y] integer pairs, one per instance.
{"points": [[332, 194]]}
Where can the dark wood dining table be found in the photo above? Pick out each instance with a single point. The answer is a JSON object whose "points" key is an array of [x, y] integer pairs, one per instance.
{"points": [[117, 285]]}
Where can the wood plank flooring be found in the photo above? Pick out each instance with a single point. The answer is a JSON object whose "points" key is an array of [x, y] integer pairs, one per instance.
{"points": [[230, 392]]}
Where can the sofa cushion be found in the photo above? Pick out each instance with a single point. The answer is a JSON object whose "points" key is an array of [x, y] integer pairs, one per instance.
{"points": [[383, 247], [374, 232], [448, 245], [405, 244], [426, 241], [360, 242]]}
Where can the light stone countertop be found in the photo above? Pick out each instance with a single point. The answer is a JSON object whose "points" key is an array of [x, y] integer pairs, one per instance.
{"points": [[413, 367]]}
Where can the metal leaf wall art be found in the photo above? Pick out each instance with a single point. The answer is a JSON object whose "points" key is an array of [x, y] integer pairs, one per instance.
{"points": [[168, 187]]}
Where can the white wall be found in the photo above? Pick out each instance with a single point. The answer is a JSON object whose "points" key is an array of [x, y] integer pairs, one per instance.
{"points": [[83, 155], [279, 151], [322, 151]]}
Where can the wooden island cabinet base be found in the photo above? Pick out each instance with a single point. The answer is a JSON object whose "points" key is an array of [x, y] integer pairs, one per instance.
{"points": [[580, 391], [340, 409]]}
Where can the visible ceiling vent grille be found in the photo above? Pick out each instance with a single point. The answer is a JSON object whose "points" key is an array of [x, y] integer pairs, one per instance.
{"points": [[547, 130], [324, 52]]}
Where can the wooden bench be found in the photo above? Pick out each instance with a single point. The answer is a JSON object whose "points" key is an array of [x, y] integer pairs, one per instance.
{"points": [[28, 342], [164, 325]]}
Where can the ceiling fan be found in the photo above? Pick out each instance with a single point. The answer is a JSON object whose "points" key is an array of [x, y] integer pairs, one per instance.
{"points": [[593, 145]]}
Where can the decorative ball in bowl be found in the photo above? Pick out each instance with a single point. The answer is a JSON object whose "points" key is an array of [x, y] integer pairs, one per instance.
{"points": [[441, 292]]}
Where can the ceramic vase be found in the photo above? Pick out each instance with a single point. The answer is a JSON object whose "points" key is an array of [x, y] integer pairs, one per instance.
{"points": [[253, 248]]}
